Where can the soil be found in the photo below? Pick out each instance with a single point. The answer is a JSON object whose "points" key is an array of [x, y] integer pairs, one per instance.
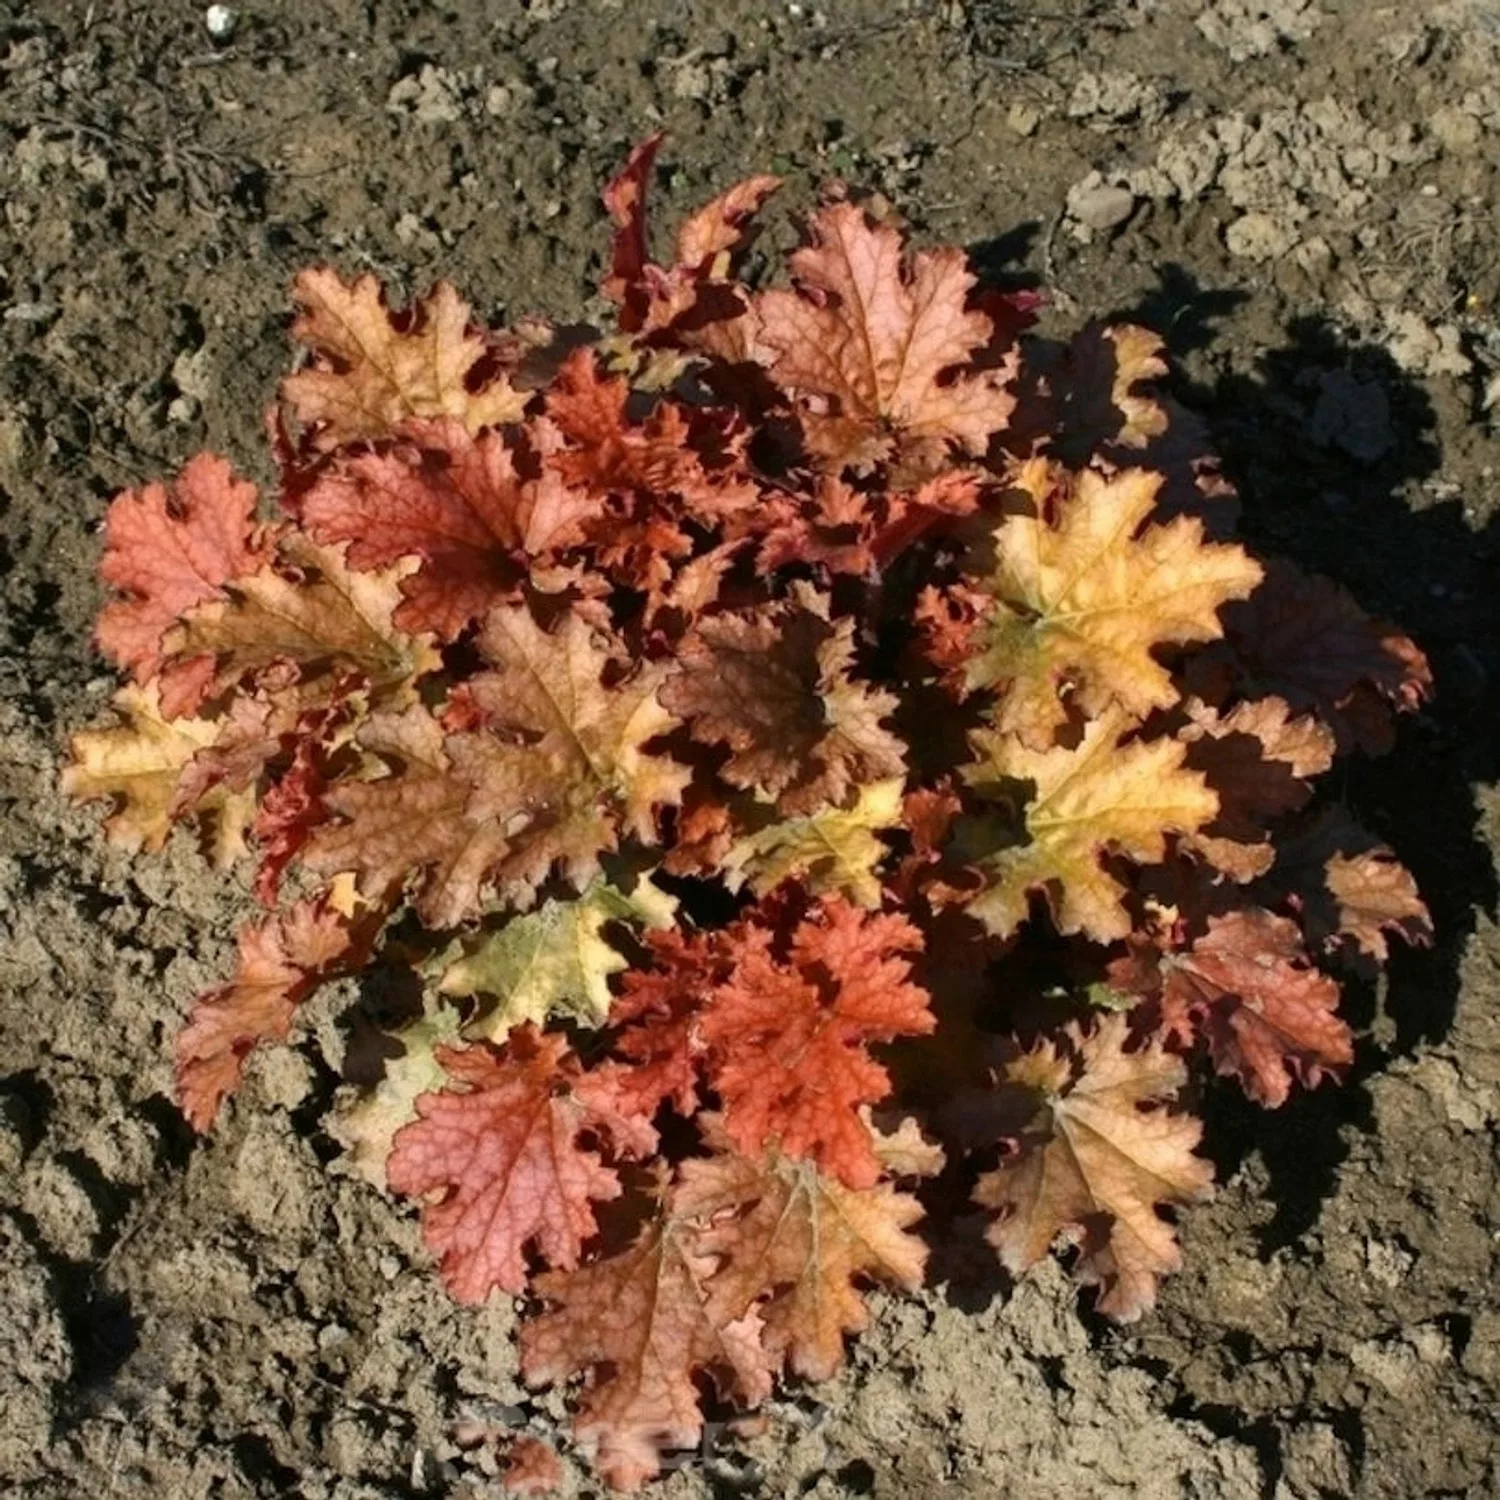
{"points": [[1299, 194]]}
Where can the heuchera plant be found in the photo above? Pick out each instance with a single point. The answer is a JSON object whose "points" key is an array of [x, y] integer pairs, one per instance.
{"points": [[702, 707]]}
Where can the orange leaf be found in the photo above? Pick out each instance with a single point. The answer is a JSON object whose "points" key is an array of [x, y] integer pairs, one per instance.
{"points": [[371, 372], [168, 549], [793, 1244], [502, 1163], [658, 1010], [1100, 1152], [696, 455], [283, 959], [642, 1323], [872, 344], [786, 1038]]}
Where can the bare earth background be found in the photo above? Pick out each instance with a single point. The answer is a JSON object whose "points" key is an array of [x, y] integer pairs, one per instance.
{"points": [[1299, 194]]}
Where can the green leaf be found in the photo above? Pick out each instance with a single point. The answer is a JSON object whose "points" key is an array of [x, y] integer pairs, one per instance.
{"points": [[833, 850], [555, 960], [366, 1125]]}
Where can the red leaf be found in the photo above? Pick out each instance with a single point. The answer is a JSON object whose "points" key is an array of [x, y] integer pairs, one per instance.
{"points": [[625, 202], [658, 1009], [689, 302], [287, 815], [168, 549], [787, 1038], [1249, 990], [503, 1163], [476, 511]]}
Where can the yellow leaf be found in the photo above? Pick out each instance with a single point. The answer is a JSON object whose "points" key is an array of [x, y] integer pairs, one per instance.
{"points": [[330, 621], [1095, 798], [370, 378], [832, 850], [1083, 598], [139, 763]]}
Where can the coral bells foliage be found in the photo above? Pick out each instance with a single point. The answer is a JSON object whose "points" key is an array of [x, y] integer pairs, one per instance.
{"points": [[800, 729]]}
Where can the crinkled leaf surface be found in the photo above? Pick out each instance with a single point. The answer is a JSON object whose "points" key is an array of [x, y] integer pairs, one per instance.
{"points": [[555, 961], [870, 340], [833, 851], [774, 686], [1098, 797], [1085, 588], [787, 1037], [370, 375], [642, 1324], [499, 1164], [795, 1242], [1101, 1152], [282, 961]]}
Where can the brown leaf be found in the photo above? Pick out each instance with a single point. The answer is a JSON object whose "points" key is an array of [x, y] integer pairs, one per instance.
{"points": [[1101, 1151], [1248, 988], [1304, 640], [774, 686], [642, 1324], [1256, 760], [793, 1245]]}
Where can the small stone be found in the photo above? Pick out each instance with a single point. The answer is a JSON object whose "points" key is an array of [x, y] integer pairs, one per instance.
{"points": [[1097, 205], [1023, 118], [221, 22], [1257, 236], [1456, 130]]}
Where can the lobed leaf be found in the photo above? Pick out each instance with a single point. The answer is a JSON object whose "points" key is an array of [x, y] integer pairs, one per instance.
{"points": [[1098, 1155], [370, 375]]}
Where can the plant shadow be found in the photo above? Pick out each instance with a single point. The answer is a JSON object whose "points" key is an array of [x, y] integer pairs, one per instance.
{"points": [[1332, 448]]}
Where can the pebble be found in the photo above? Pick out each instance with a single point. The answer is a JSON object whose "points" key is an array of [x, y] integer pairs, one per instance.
{"points": [[1100, 205], [221, 22]]}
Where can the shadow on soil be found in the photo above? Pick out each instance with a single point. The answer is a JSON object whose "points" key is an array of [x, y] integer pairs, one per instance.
{"points": [[1328, 444]]}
